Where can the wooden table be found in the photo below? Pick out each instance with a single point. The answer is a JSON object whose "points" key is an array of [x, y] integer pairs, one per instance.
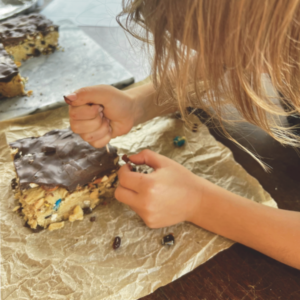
{"points": [[241, 273]]}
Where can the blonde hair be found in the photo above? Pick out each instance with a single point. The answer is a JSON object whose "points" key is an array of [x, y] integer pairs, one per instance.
{"points": [[210, 54]]}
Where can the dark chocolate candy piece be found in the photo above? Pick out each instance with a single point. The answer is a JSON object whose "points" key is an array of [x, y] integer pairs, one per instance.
{"points": [[92, 219], [117, 242], [125, 158], [14, 183], [65, 165], [87, 210], [37, 52], [168, 240]]}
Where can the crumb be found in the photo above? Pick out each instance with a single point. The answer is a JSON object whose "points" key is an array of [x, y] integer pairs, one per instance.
{"points": [[29, 93]]}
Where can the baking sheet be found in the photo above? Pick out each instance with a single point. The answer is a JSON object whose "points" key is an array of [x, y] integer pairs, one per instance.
{"points": [[80, 62], [78, 261], [10, 8], [85, 13]]}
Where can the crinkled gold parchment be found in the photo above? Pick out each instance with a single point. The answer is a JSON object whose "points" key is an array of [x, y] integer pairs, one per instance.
{"points": [[78, 262]]}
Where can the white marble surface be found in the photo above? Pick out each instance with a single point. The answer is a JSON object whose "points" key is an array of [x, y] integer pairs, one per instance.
{"points": [[84, 13], [82, 63], [125, 49]]}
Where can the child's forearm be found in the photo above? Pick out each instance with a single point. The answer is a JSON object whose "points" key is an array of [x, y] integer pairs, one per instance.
{"points": [[271, 231], [146, 108]]}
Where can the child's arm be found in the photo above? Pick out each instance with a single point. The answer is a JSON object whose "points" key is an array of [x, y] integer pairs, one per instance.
{"points": [[274, 232], [172, 194], [121, 110]]}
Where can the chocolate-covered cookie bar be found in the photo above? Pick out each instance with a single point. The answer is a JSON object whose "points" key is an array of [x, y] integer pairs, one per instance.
{"points": [[61, 177], [11, 83], [27, 36]]}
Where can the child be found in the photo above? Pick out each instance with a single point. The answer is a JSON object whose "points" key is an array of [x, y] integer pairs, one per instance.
{"points": [[220, 48]]}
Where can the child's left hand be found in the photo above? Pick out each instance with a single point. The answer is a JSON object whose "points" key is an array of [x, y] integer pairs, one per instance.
{"points": [[169, 195]]}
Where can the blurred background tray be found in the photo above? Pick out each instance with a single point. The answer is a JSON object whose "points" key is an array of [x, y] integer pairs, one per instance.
{"points": [[10, 8], [79, 62]]}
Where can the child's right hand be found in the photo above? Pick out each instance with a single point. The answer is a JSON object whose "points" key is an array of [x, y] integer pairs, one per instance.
{"points": [[99, 113]]}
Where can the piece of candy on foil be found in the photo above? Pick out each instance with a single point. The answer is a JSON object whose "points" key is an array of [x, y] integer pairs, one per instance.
{"points": [[168, 240], [179, 141], [117, 243]]}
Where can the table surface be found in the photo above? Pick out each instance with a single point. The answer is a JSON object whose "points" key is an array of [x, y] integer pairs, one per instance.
{"points": [[238, 273]]}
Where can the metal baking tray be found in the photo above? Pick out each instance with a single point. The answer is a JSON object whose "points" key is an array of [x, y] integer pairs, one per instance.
{"points": [[10, 8]]}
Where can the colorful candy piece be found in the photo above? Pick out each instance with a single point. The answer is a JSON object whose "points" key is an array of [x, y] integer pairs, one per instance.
{"points": [[168, 240], [179, 141], [57, 204]]}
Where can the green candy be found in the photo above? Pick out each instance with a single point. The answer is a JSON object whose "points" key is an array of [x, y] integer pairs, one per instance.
{"points": [[179, 141]]}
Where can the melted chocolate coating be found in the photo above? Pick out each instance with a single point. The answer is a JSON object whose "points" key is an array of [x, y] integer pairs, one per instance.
{"points": [[15, 30], [8, 69], [61, 157]]}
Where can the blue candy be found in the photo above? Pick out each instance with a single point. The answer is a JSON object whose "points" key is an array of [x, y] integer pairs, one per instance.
{"points": [[57, 204], [179, 141]]}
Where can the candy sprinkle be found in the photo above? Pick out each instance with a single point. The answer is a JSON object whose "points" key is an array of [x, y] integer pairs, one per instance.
{"points": [[57, 204], [179, 141]]}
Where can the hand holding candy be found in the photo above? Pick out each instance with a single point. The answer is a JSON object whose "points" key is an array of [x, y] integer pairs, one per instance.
{"points": [[169, 195]]}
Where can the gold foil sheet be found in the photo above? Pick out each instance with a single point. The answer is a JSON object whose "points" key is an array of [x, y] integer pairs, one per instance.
{"points": [[78, 261]]}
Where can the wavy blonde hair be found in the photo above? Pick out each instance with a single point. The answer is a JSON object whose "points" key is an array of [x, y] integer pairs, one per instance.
{"points": [[211, 54]]}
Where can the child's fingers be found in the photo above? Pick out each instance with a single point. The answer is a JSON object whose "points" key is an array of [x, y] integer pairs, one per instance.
{"points": [[85, 126], [131, 180], [85, 112], [98, 134], [98, 94], [102, 142], [125, 196], [149, 158]]}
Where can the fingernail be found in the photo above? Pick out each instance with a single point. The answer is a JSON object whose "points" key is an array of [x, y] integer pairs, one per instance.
{"points": [[67, 101], [71, 97], [100, 108], [101, 114]]}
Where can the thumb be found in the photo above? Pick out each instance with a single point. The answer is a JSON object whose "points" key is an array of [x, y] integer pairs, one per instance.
{"points": [[149, 158], [97, 94]]}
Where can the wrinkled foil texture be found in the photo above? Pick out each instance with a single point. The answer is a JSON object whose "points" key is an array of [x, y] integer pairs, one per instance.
{"points": [[78, 262]]}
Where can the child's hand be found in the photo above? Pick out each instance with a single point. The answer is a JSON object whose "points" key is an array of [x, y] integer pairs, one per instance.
{"points": [[169, 195], [99, 113]]}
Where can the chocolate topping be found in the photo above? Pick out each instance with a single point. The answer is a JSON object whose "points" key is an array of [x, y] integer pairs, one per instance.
{"points": [[8, 69], [61, 157], [15, 30]]}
